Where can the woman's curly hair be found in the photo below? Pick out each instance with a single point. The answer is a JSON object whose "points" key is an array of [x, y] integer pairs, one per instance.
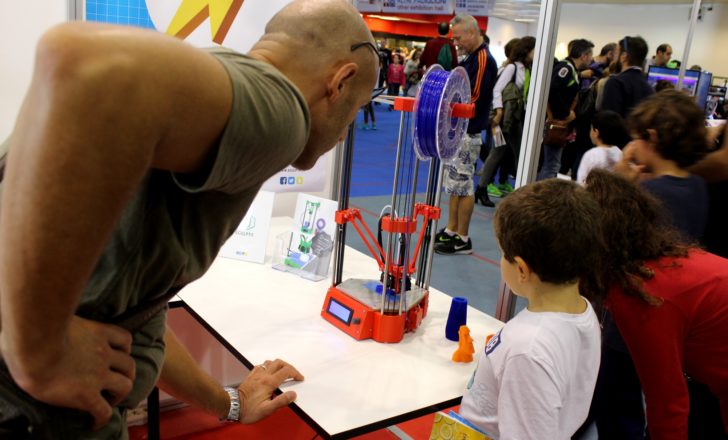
{"points": [[634, 231]]}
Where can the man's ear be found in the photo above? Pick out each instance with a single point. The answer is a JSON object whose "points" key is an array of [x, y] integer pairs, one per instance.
{"points": [[524, 272], [342, 78]]}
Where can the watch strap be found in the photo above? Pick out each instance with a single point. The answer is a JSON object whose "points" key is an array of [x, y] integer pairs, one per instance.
{"points": [[234, 412]]}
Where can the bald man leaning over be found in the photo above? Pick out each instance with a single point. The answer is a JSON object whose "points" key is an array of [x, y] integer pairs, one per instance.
{"points": [[133, 159]]}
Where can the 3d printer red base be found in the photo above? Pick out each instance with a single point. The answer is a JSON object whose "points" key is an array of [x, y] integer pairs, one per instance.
{"points": [[366, 322]]}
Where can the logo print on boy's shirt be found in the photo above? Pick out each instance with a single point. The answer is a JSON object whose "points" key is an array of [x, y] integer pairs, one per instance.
{"points": [[493, 343]]}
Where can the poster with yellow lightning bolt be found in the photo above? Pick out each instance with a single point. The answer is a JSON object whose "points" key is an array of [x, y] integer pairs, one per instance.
{"points": [[231, 23], [236, 24]]}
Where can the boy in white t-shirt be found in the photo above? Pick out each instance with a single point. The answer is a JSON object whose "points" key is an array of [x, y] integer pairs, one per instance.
{"points": [[608, 134], [536, 378]]}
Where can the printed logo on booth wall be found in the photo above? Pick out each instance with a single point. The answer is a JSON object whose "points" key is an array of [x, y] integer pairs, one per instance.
{"points": [[290, 180]]}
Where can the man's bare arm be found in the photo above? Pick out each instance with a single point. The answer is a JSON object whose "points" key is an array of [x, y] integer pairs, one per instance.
{"points": [[106, 104]]}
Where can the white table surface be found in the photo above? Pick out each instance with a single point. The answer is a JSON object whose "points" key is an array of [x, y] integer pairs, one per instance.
{"points": [[350, 387]]}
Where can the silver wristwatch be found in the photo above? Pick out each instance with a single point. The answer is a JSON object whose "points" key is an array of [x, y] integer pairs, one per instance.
{"points": [[234, 413]]}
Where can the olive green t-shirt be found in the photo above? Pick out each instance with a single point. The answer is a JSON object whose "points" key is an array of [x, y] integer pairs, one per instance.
{"points": [[171, 230]]}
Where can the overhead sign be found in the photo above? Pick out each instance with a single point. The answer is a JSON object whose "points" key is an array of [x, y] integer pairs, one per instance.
{"points": [[369, 5], [477, 8], [439, 7]]}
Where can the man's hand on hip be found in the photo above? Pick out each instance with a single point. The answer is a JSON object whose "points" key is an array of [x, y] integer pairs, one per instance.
{"points": [[94, 359]]}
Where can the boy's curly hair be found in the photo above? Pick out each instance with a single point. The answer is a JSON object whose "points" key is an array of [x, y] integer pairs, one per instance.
{"points": [[679, 123]]}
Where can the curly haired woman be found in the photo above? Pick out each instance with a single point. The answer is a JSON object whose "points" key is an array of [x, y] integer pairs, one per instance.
{"points": [[670, 303]]}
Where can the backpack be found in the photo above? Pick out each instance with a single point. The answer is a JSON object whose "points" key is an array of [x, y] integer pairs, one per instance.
{"points": [[514, 108], [444, 57], [586, 106]]}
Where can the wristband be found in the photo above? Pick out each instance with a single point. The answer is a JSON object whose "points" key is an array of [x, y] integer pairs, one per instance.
{"points": [[234, 412]]}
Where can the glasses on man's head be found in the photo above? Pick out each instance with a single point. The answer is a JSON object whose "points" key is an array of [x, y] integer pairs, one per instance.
{"points": [[365, 43]]}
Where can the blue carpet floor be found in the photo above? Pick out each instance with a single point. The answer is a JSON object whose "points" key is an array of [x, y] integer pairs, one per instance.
{"points": [[475, 276]]}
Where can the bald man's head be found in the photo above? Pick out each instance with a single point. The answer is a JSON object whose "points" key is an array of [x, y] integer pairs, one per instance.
{"points": [[319, 33], [325, 48], [330, 25]]}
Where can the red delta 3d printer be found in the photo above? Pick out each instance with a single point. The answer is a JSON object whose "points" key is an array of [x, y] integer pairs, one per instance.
{"points": [[386, 309]]}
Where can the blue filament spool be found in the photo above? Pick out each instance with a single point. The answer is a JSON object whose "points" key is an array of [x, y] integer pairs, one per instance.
{"points": [[436, 132]]}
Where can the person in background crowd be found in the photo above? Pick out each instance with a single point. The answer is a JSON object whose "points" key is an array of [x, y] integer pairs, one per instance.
{"points": [[368, 111], [434, 52], [714, 169], [458, 172], [508, 51], [509, 114], [673, 64], [625, 91], [711, 107], [385, 59], [505, 164], [411, 70], [612, 70], [395, 76], [663, 84], [585, 111], [608, 130], [562, 100], [595, 71], [669, 300], [662, 56], [404, 53]]}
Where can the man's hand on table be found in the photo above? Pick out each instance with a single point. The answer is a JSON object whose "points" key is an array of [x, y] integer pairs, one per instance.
{"points": [[257, 399]]}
